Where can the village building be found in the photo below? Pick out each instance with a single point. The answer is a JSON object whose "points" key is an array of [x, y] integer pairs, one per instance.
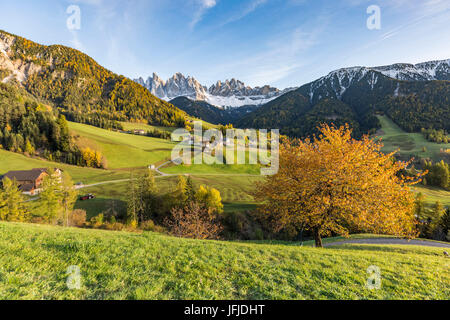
{"points": [[29, 181], [139, 132]]}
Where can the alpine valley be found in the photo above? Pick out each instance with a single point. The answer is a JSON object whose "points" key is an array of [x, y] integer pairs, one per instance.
{"points": [[413, 96]]}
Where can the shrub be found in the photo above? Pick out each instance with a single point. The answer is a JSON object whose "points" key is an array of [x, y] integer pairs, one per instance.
{"points": [[97, 221], [149, 225], [77, 218], [193, 221], [114, 226]]}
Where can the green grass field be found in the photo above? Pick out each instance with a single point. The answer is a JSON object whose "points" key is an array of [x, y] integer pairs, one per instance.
{"points": [[143, 126], [123, 150], [433, 194], [120, 265], [394, 138], [13, 161], [235, 192]]}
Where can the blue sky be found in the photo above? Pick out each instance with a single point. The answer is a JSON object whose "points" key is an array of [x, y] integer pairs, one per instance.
{"points": [[278, 42]]}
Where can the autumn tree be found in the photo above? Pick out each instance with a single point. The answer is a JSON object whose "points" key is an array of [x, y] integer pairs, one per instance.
{"points": [[68, 197], [210, 198], [180, 193], [11, 202], [193, 221], [334, 184], [50, 206]]}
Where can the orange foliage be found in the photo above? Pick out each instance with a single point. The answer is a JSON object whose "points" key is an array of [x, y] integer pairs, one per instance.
{"points": [[334, 184]]}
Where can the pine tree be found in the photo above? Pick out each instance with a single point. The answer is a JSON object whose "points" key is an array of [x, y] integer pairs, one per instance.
{"points": [[148, 195], [133, 202], [445, 221], [420, 206], [180, 193], [190, 190]]}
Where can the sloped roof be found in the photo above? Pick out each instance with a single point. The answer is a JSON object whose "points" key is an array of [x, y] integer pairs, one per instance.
{"points": [[28, 175]]}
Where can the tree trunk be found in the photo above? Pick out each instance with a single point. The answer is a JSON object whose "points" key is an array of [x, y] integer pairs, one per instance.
{"points": [[317, 238]]}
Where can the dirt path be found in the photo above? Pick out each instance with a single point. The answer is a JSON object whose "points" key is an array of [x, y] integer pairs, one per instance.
{"points": [[389, 241]]}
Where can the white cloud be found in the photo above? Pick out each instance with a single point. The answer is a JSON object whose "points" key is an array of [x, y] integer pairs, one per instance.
{"points": [[283, 56], [202, 6], [246, 10]]}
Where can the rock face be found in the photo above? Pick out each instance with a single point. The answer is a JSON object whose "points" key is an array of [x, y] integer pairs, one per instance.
{"points": [[14, 69], [234, 93], [231, 93]]}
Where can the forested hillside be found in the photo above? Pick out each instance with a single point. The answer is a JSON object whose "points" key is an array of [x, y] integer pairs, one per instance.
{"points": [[77, 84], [210, 113], [31, 127], [355, 96]]}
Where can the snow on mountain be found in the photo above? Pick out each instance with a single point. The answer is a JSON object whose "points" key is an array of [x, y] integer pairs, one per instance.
{"points": [[432, 70], [337, 82], [231, 93], [234, 93]]}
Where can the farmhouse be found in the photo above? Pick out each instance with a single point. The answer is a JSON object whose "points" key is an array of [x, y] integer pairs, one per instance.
{"points": [[139, 132], [29, 181]]}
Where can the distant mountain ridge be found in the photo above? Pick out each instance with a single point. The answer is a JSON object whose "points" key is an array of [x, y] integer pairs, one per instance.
{"points": [[414, 96], [212, 114], [230, 93], [426, 71]]}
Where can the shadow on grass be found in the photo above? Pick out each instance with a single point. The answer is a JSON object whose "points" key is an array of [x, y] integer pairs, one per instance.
{"points": [[101, 205]]}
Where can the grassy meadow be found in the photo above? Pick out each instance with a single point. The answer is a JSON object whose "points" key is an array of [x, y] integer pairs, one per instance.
{"points": [[120, 149], [129, 126], [234, 190], [127, 151], [433, 194], [394, 138], [10, 161], [120, 265]]}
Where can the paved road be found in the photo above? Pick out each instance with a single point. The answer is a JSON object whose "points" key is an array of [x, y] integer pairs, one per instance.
{"points": [[389, 241], [100, 183]]}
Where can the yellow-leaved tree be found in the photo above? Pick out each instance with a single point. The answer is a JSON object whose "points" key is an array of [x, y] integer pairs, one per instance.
{"points": [[334, 183]]}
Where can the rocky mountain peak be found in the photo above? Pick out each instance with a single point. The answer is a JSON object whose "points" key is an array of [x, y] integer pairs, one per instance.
{"points": [[229, 93]]}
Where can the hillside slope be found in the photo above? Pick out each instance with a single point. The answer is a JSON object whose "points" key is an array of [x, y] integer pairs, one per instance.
{"points": [[207, 112], [356, 95], [76, 83], [119, 265]]}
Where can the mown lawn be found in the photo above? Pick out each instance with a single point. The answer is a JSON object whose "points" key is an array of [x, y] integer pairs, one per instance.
{"points": [[117, 265]]}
